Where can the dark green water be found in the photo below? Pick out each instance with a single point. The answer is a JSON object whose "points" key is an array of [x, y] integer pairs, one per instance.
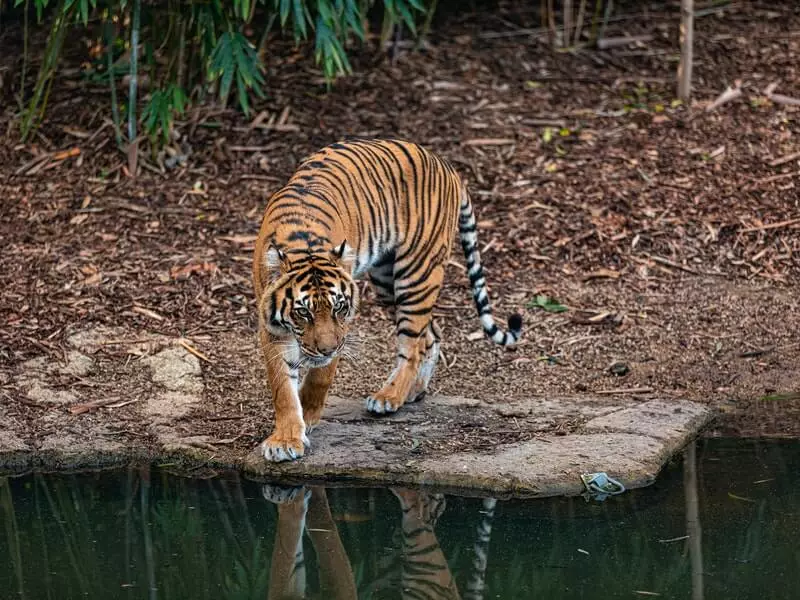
{"points": [[146, 534]]}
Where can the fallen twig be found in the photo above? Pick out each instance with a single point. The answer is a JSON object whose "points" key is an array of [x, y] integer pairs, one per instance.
{"points": [[772, 178], [730, 94], [784, 159], [193, 350], [671, 263], [147, 313], [636, 390], [490, 142], [785, 100], [615, 42], [779, 98], [779, 225], [79, 409]]}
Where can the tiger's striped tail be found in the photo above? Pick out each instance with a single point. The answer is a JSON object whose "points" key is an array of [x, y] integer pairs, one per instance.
{"points": [[467, 229]]}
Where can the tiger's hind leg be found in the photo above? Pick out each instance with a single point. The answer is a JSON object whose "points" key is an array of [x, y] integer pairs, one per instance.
{"points": [[381, 276], [414, 300]]}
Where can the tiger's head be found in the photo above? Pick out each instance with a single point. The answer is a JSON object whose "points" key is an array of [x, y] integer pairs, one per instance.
{"points": [[313, 298]]}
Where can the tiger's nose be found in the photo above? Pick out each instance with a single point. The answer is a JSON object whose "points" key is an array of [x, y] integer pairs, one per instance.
{"points": [[326, 350]]}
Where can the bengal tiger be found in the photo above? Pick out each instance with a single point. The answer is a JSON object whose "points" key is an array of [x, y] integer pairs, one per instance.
{"points": [[425, 573], [418, 569], [384, 207], [306, 510]]}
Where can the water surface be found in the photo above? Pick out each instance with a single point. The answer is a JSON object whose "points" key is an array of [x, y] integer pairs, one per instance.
{"points": [[725, 525]]}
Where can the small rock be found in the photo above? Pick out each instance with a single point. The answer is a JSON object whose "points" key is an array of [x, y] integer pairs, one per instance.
{"points": [[170, 405], [619, 369], [88, 339], [38, 392], [77, 364], [177, 370], [10, 442]]}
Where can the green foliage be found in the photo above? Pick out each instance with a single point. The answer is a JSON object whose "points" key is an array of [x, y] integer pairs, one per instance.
{"points": [[185, 48], [547, 304], [160, 111], [235, 58]]}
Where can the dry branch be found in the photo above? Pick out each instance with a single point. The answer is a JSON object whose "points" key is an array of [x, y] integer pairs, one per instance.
{"points": [[784, 159], [782, 224], [731, 93], [615, 42]]}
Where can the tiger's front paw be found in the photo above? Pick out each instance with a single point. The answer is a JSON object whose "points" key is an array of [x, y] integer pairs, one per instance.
{"points": [[381, 406], [282, 494], [282, 446]]}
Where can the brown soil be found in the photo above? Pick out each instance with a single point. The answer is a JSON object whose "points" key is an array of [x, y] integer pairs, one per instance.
{"points": [[670, 233]]}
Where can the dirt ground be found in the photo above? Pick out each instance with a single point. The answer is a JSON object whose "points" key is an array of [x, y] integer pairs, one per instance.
{"points": [[671, 234]]}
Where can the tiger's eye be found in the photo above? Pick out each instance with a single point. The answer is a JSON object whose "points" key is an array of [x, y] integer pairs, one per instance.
{"points": [[341, 306], [303, 313]]}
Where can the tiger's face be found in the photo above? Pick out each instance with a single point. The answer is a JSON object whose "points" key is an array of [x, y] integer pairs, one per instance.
{"points": [[313, 299]]}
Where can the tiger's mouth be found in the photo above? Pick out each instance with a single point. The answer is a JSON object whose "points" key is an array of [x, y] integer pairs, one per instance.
{"points": [[317, 359]]}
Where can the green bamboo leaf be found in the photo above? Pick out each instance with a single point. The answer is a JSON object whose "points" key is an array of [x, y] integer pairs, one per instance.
{"points": [[244, 67], [241, 86], [408, 18], [299, 16], [285, 9], [324, 10], [353, 20]]}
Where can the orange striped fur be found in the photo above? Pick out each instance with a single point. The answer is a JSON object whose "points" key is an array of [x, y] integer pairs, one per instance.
{"points": [[383, 208]]}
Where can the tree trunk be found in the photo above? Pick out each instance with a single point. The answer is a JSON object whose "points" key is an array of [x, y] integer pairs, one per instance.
{"points": [[687, 50]]}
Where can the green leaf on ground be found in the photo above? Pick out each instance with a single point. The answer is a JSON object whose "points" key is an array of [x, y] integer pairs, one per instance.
{"points": [[784, 396], [548, 304]]}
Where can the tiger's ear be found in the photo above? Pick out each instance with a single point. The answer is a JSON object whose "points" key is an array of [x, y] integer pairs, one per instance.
{"points": [[344, 256], [277, 262]]}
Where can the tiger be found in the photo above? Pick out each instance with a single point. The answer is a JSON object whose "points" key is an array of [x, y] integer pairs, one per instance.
{"points": [[425, 573], [386, 208], [306, 510], [418, 567]]}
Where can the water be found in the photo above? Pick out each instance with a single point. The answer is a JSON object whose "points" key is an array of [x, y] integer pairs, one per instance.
{"points": [[146, 534]]}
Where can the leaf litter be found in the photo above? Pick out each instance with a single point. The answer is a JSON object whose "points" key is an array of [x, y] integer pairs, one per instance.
{"points": [[585, 184]]}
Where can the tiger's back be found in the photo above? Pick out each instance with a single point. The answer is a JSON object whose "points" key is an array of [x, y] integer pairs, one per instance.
{"points": [[377, 195]]}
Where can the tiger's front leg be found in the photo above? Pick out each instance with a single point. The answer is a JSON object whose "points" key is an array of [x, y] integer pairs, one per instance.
{"points": [[416, 343], [314, 392], [288, 439]]}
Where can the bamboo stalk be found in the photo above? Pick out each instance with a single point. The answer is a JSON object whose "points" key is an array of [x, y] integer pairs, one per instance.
{"points": [[606, 18], [133, 88], [24, 55], [46, 72], [110, 35], [426, 26], [687, 50], [181, 71], [579, 23]]}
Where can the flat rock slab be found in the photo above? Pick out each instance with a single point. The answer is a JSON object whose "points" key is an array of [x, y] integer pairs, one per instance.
{"points": [[630, 444], [88, 411]]}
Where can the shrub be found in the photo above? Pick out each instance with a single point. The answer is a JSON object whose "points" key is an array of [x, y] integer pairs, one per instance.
{"points": [[188, 48]]}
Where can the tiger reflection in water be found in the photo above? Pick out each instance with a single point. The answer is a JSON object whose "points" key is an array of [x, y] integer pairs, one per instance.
{"points": [[424, 572]]}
